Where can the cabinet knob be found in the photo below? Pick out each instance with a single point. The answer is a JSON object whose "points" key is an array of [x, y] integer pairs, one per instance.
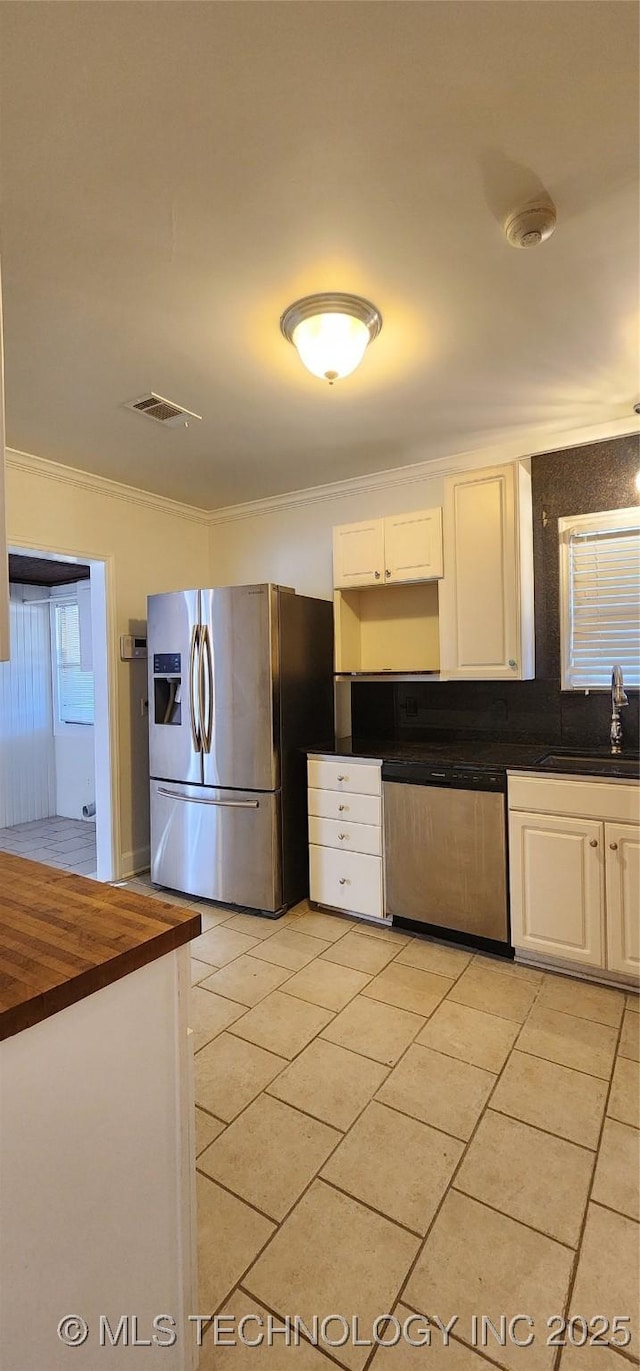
{"points": [[343, 836], [341, 808], [387, 573], [513, 664], [344, 881], [377, 575], [593, 842], [343, 778], [614, 847]]}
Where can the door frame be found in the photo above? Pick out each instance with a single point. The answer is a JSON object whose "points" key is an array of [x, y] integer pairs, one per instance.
{"points": [[106, 731]]}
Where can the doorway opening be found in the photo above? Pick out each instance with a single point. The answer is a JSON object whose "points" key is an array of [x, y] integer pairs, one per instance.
{"points": [[55, 745]]}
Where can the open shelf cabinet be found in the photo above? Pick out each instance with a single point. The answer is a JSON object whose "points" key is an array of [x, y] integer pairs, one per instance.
{"points": [[392, 628]]}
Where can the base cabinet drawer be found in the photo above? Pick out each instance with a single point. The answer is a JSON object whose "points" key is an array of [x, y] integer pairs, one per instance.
{"points": [[353, 809], [346, 880], [345, 836], [360, 778]]}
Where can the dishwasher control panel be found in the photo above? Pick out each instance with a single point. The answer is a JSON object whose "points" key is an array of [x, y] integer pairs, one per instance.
{"points": [[454, 777]]}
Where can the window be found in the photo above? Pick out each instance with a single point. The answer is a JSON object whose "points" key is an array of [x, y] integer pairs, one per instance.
{"points": [[73, 687], [600, 598]]}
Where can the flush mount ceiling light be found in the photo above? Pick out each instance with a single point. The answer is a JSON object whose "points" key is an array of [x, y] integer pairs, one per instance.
{"points": [[331, 332]]}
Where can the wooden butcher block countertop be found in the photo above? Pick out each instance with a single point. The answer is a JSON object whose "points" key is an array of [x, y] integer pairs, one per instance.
{"points": [[62, 937]]}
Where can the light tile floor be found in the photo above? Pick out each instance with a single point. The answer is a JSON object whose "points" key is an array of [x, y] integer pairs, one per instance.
{"points": [[386, 1125], [69, 844]]}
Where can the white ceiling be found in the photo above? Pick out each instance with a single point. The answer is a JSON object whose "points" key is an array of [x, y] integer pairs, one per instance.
{"points": [[175, 174]]}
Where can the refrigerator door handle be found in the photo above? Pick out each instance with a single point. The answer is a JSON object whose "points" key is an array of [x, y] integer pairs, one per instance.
{"points": [[198, 800], [195, 652], [206, 706]]}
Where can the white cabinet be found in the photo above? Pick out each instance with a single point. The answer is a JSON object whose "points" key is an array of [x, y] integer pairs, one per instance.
{"points": [[348, 881], [83, 1216], [622, 850], [486, 596], [345, 834], [350, 775], [557, 894], [574, 859], [358, 553], [398, 549], [4, 565], [413, 546]]}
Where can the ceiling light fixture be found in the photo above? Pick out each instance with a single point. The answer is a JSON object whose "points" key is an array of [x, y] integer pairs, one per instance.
{"points": [[331, 332]]}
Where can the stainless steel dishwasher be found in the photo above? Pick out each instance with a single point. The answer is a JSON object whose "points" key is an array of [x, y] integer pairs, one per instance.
{"points": [[446, 851]]}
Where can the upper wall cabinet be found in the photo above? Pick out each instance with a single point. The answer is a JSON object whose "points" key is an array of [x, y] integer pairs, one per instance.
{"points": [[395, 550], [4, 564], [486, 596], [358, 553], [413, 546]]}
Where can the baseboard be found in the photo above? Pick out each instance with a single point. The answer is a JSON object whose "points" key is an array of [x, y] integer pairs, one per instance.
{"points": [[617, 980], [133, 863]]}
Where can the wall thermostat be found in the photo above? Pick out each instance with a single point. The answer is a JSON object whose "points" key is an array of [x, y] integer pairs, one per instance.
{"points": [[132, 648]]}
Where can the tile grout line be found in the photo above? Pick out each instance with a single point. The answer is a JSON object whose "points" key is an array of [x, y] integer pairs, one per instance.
{"points": [[618, 1212], [270, 1310], [317, 1176], [576, 1263], [538, 1128], [451, 1185], [401, 1293]]}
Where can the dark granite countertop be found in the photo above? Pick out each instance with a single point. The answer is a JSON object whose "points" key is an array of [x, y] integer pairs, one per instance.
{"points": [[491, 754]]}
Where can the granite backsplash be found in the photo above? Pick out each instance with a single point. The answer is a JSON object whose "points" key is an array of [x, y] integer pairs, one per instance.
{"points": [[575, 481]]}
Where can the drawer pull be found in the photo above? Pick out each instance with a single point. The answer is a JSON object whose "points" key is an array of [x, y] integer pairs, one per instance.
{"points": [[343, 778], [593, 842], [344, 881], [341, 808], [343, 836]]}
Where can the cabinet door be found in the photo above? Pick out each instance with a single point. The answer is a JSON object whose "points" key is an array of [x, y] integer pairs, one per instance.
{"points": [[479, 596], [358, 554], [622, 865], [413, 546], [557, 886]]}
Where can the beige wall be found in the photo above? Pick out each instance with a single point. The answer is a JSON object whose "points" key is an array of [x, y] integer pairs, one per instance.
{"points": [[292, 544], [288, 539], [153, 545]]}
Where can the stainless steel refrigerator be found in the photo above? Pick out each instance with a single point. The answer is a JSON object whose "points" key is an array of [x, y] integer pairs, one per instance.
{"points": [[240, 682]]}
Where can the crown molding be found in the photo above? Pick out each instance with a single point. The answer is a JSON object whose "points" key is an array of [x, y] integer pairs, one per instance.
{"points": [[30, 465], [418, 472], [394, 477]]}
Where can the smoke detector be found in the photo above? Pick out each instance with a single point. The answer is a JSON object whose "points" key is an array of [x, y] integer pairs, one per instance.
{"points": [[529, 227], [162, 410]]}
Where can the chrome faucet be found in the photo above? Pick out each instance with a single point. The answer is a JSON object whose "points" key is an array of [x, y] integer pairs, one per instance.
{"points": [[618, 700]]}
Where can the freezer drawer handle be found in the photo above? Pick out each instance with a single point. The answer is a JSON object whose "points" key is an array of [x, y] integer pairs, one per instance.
{"points": [[222, 804]]}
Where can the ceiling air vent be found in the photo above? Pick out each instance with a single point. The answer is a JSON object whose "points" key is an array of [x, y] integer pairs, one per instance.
{"points": [[162, 410]]}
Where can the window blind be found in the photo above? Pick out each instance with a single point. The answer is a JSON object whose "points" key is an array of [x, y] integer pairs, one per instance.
{"points": [[75, 686], [604, 606]]}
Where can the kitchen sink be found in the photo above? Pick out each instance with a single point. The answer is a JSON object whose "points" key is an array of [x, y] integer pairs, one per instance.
{"points": [[596, 764]]}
